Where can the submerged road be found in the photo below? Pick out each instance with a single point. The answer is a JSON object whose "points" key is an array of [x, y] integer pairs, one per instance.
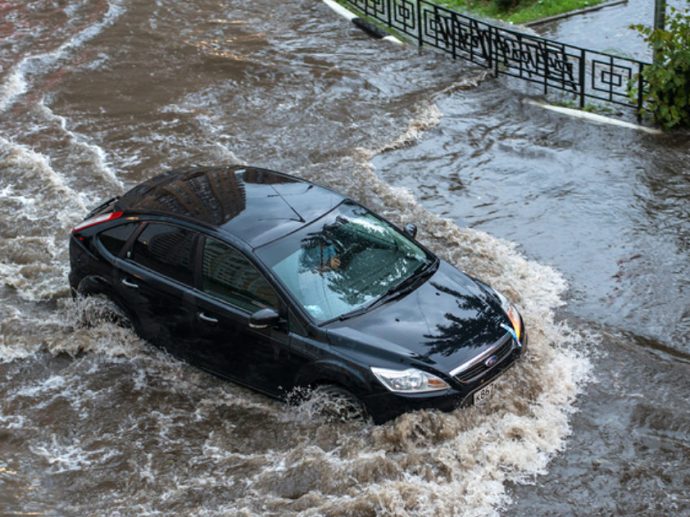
{"points": [[585, 227]]}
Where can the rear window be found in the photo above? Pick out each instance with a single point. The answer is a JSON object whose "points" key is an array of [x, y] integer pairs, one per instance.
{"points": [[115, 238], [166, 249]]}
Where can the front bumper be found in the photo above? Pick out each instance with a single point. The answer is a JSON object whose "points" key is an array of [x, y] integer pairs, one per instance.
{"points": [[387, 405]]}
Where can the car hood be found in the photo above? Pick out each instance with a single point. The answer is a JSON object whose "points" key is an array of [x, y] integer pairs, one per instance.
{"points": [[446, 321]]}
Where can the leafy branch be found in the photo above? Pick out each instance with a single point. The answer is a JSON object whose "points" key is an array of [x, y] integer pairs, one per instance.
{"points": [[667, 95]]}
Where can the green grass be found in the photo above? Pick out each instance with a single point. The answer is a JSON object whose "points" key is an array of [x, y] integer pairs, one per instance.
{"points": [[526, 10]]}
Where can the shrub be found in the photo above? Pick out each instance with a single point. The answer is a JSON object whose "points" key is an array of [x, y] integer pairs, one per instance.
{"points": [[505, 5], [668, 93]]}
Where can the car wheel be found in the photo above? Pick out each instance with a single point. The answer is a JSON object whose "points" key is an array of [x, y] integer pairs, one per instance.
{"points": [[335, 403]]}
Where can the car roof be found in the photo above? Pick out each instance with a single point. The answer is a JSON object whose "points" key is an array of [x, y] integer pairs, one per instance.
{"points": [[252, 204]]}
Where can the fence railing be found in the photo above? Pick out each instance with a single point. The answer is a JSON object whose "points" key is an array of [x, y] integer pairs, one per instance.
{"points": [[583, 73]]}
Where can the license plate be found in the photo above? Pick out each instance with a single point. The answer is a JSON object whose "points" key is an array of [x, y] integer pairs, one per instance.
{"points": [[484, 394]]}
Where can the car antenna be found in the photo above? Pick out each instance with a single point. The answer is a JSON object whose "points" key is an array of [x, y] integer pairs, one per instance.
{"points": [[299, 217]]}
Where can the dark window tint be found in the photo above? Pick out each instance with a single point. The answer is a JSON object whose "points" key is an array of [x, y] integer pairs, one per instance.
{"points": [[228, 275], [115, 238], [166, 249]]}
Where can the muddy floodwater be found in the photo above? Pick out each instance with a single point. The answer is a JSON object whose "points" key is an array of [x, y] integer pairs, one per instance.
{"points": [[585, 227]]}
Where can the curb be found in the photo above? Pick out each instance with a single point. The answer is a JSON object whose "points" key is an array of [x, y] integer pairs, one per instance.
{"points": [[576, 12], [594, 117], [369, 28]]}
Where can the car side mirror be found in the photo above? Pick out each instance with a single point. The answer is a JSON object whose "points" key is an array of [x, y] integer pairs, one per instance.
{"points": [[411, 230], [264, 318]]}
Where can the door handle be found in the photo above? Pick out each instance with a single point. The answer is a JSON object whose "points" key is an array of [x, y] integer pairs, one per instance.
{"points": [[208, 319], [130, 284]]}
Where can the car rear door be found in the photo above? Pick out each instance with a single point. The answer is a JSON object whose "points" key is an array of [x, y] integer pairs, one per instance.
{"points": [[231, 289], [156, 279]]}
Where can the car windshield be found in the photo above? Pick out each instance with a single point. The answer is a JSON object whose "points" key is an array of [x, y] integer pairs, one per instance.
{"points": [[343, 262]]}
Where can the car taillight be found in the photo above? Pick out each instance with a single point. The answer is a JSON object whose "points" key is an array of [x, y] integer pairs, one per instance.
{"points": [[93, 221]]}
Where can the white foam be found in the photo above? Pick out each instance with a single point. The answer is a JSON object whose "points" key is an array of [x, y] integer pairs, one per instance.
{"points": [[14, 86], [426, 118], [41, 197], [53, 382], [100, 159], [11, 422], [17, 83], [75, 327], [33, 260], [66, 457], [22, 156], [12, 352]]}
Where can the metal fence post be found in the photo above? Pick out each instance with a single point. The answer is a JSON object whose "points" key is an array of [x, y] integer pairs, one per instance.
{"points": [[493, 37], [489, 49], [545, 58], [436, 19], [388, 13], [455, 27], [582, 72], [420, 34], [640, 90]]}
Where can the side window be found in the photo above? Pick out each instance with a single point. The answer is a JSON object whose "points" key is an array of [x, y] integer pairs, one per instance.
{"points": [[228, 275], [115, 238], [166, 249]]}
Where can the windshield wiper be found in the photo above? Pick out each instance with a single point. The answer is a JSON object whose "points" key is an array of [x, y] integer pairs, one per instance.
{"points": [[397, 290], [357, 312], [410, 282]]}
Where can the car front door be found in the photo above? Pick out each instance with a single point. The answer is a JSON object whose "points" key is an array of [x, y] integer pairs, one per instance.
{"points": [[231, 289]]}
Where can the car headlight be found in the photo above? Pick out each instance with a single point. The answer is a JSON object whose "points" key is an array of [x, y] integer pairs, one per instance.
{"points": [[409, 381], [513, 316]]}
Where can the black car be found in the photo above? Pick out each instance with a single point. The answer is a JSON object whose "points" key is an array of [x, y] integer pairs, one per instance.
{"points": [[279, 284]]}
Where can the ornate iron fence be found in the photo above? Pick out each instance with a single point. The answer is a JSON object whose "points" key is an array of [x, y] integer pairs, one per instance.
{"points": [[583, 73]]}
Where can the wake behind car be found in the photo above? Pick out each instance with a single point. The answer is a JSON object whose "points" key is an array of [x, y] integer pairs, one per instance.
{"points": [[278, 284]]}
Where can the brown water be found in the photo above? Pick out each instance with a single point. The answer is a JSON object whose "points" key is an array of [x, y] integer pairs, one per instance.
{"points": [[585, 227]]}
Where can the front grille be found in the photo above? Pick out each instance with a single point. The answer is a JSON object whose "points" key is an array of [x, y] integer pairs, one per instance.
{"points": [[478, 368]]}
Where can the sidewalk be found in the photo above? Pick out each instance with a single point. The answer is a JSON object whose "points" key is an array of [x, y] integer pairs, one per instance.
{"points": [[607, 30]]}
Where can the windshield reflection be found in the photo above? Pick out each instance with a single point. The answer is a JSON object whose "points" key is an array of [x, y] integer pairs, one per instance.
{"points": [[343, 261]]}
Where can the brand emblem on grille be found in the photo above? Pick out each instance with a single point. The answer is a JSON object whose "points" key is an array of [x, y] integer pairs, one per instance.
{"points": [[491, 361]]}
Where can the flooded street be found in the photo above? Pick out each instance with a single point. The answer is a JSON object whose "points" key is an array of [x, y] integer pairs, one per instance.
{"points": [[586, 227], [608, 29]]}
